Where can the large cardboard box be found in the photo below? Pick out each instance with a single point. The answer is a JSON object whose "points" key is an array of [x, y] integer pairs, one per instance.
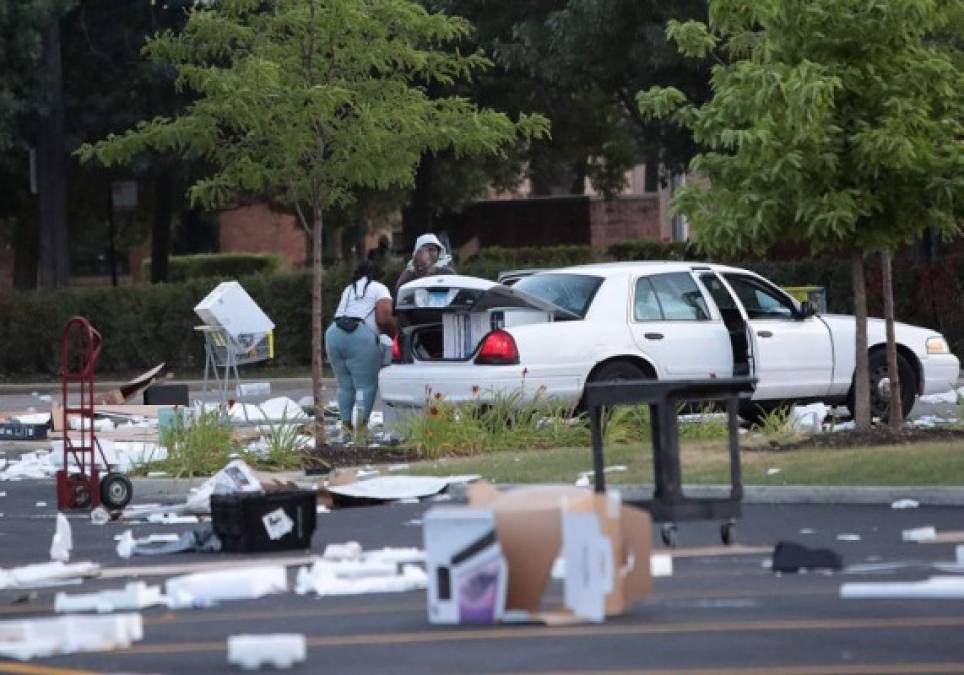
{"points": [[605, 547]]}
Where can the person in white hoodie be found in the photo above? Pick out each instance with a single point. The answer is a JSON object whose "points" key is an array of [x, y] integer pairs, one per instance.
{"points": [[428, 259]]}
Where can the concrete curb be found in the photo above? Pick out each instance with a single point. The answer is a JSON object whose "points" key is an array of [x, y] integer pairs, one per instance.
{"points": [[48, 387]]}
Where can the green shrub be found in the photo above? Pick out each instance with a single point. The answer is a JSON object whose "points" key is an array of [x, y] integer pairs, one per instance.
{"points": [[221, 265]]}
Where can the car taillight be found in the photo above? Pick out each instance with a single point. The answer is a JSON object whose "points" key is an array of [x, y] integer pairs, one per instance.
{"points": [[498, 349], [396, 350]]}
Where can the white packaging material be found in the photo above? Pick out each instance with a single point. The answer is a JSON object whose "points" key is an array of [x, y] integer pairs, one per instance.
{"points": [[254, 389], [280, 650], [950, 396], [30, 638], [277, 409], [230, 307], [135, 595], [46, 574], [934, 588], [31, 466], [206, 588], [325, 577], [62, 541], [126, 541], [848, 537], [808, 418], [661, 565], [467, 572], [392, 488], [350, 550], [33, 418], [905, 504], [235, 477], [78, 423], [919, 534]]}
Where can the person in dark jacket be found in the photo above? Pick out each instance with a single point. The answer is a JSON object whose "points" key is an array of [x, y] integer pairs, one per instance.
{"points": [[428, 259]]}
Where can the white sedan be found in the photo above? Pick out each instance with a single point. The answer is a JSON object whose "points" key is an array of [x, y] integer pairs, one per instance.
{"points": [[552, 332]]}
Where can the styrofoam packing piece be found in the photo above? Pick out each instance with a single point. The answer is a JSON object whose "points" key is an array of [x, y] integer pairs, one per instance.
{"points": [[172, 519], [319, 509], [951, 588], [32, 465], [77, 423], [350, 550], [919, 534], [40, 505], [807, 530], [123, 456], [206, 588], [62, 540], [274, 409], [848, 537], [280, 650], [155, 538], [323, 578], [28, 576], [905, 504], [948, 397], [235, 477], [25, 639], [397, 556], [135, 595], [34, 418], [661, 565]]}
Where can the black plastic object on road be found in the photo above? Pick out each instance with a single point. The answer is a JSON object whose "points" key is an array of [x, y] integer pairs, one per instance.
{"points": [[15, 431], [789, 556], [669, 504], [166, 394], [274, 521]]}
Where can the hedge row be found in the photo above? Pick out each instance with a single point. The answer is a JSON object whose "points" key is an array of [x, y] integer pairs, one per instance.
{"points": [[224, 265], [145, 324]]}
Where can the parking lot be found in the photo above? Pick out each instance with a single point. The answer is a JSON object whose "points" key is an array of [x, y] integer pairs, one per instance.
{"points": [[721, 610]]}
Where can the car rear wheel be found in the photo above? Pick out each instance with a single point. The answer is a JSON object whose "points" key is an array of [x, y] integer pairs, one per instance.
{"points": [[618, 371]]}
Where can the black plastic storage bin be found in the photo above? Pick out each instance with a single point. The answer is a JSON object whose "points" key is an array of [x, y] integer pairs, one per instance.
{"points": [[15, 431], [249, 522]]}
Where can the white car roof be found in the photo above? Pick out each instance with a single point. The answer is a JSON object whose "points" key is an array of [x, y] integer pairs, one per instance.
{"points": [[614, 269]]}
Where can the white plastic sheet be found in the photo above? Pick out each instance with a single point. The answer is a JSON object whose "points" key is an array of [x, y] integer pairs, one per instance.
{"points": [[390, 488]]}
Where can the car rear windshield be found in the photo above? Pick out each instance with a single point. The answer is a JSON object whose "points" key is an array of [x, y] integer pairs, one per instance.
{"points": [[572, 292]]}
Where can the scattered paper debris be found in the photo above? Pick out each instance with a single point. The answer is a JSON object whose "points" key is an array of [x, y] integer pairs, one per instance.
{"points": [[905, 504], [40, 505], [280, 650], [919, 534], [62, 541], [393, 488], [773, 471], [848, 537], [807, 530]]}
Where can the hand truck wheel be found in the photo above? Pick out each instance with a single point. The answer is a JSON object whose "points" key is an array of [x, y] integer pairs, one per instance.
{"points": [[115, 491], [668, 534], [728, 532]]}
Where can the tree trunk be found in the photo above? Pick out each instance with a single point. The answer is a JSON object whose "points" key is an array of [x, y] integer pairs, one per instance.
{"points": [[25, 254], [861, 409], [161, 229], [417, 215], [896, 410], [317, 272], [54, 262]]}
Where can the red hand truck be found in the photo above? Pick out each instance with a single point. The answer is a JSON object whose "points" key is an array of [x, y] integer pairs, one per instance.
{"points": [[79, 485]]}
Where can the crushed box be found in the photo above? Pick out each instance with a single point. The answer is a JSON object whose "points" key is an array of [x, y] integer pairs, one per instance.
{"points": [[604, 544]]}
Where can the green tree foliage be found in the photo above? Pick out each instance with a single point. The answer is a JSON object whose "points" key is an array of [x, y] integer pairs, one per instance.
{"points": [[837, 123], [305, 101]]}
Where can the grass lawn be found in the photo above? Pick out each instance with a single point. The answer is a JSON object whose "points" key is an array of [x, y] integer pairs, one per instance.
{"points": [[929, 463]]}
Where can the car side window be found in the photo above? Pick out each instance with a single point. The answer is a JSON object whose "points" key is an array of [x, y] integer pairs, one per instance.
{"points": [[679, 297], [645, 304], [759, 301]]}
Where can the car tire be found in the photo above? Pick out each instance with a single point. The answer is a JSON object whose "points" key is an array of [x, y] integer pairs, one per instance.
{"points": [[618, 371], [755, 413], [878, 374]]}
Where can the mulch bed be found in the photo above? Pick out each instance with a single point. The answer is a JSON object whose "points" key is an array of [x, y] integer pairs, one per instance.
{"points": [[342, 456], [877, 436]]}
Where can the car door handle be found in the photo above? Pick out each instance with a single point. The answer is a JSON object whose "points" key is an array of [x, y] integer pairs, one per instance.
{"points": [[653, 336], [764, 333]]}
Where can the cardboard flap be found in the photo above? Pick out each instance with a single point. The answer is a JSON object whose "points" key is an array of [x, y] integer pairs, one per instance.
{"points": [[636, 530], [530, 544]]}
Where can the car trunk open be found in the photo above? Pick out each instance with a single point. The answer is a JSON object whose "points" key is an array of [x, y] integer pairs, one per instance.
{"points": [[446, 317]]}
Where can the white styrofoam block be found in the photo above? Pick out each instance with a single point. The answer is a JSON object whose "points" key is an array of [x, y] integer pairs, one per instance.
{"points": [[948, 588], [919, 534], [135, 595], [230, 308], [44, 574], [281, 650], [62, 541], [29, 638], [206, 588]]}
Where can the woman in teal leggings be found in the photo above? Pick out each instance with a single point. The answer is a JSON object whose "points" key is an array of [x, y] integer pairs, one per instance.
{"points": [[352, 340]]}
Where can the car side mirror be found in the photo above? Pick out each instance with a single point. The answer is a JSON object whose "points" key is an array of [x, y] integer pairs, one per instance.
{"points": [[807, 309]]}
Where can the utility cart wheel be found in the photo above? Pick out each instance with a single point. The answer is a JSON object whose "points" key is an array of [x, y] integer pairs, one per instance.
{"points": [[668, 533], [728, 532], [115, 491]]}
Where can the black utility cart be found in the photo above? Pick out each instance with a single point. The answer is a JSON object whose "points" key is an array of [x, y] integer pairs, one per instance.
{"points": [[668, 504]]}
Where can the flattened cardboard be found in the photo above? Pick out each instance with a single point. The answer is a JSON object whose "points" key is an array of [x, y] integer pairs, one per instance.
{"points": [[529, 524], [129, 389]]}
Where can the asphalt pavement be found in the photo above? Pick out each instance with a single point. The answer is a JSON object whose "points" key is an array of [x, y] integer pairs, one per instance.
{"points": [[717, 613]]}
